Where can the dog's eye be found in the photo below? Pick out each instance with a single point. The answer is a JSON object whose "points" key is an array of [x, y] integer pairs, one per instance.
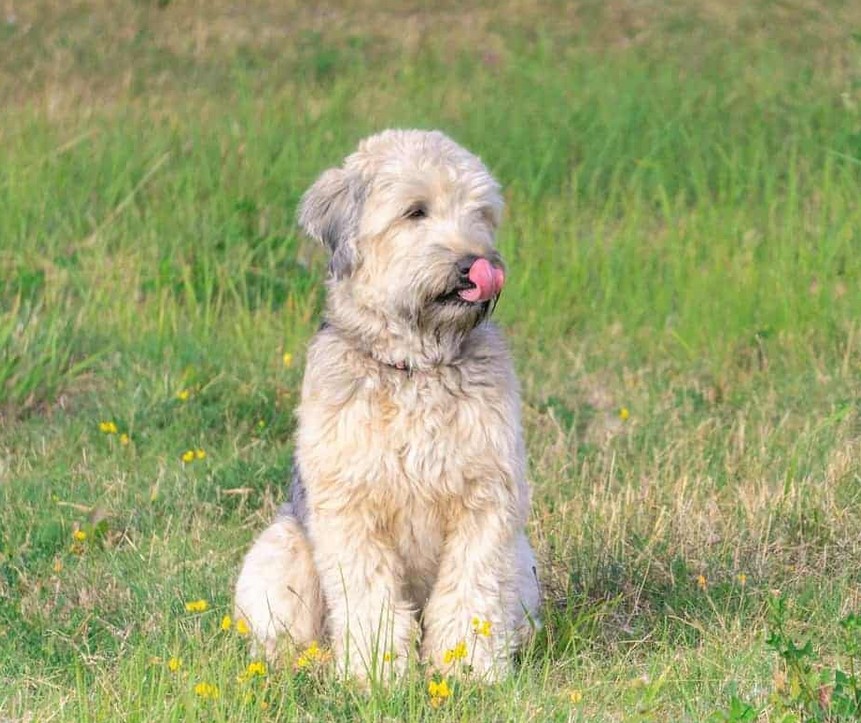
{"points": [[417, 212]]}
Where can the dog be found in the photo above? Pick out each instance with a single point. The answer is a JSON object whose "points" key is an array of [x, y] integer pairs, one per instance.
{"points": [[409, 496]]}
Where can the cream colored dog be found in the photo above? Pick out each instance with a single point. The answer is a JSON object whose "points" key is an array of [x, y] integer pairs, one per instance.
{"points": [[409, 494]]}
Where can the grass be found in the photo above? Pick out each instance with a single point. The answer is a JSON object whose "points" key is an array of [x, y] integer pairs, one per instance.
{"points": [[683, 237]]}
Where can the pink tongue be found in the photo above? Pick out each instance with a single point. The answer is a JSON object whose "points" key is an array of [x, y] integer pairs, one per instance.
{"points": [[488, 281]]}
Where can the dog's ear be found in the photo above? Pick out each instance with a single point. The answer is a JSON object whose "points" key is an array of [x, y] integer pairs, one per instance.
{"points": [[330, 212]]}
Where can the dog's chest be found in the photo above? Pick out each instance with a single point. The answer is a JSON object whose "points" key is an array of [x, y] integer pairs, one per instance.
{"points": [[406, 451], [416, 427]]}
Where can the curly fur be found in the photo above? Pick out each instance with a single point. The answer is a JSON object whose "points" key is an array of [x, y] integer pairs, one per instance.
{"points": [[409, 493]]}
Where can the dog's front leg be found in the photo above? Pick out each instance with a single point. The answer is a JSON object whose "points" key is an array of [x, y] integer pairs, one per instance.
{"points": [[370, 624], [468, 619]]}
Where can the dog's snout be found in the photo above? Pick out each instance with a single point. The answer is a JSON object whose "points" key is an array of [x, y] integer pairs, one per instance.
{"points": [[465, 264], [485, 279]]}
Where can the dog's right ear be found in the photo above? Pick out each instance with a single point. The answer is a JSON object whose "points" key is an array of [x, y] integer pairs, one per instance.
{"points": [[330, 211]]}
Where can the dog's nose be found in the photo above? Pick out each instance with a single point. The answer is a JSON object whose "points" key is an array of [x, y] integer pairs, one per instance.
{"points": [[465, 264]]}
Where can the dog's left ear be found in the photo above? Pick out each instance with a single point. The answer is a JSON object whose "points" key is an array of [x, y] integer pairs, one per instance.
{"points": [[330, 212]]}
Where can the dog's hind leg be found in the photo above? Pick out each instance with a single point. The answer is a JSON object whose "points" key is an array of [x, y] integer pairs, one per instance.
{"points": [[278, 590]]}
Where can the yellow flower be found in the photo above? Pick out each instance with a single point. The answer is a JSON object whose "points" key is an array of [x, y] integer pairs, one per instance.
{"points": [[575, 696], [458, 652], [624, 414], [174, 664], [389, 657], [108, 427], [242, 627], [312, 654], [481, 627], [188, 456], [438, 692], [226, 622], [79, 535], [702, 583], [287, 359], [197, 606], [742, 579], [440, 689], [256, 668], [206, 690], [183, 395], [124, 439], [200, 453]]}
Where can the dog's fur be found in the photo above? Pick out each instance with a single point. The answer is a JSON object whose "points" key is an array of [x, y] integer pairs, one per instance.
{"points": [[409, 493]]}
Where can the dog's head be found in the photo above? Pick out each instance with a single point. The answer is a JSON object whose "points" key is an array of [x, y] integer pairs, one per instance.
{"points": [[409, 220]]}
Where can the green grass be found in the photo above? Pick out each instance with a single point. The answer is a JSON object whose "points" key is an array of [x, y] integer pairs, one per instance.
{"points": [[684, 240]]}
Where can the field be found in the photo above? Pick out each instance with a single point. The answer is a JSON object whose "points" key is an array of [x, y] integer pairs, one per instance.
{"points": [[683, 234]]}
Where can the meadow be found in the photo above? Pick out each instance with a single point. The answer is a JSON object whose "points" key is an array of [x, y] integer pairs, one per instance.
{"points": [[683, 237]]}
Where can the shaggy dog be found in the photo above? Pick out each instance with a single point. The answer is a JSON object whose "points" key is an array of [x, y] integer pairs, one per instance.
{"points": [[409, 496]]}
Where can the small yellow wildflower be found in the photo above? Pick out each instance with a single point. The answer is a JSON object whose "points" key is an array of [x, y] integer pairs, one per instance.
{"points": [[742, 579], [438, 692], [206, 690], [263, 705], [242, 627], [188, 456], [256, 668], [575, 696], [200, 453], [440, 689], [624, 414], [310, 655], [197, 606], [458, 652], [481, 627], [389, 657], [226, 622], [287, 359], [702, 583], [183, 395], [79, 535], [108, 427], [174, 664], [124, 439]]}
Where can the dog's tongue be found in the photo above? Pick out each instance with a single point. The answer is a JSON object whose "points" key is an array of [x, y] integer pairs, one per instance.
{"points": [[488, 281]]}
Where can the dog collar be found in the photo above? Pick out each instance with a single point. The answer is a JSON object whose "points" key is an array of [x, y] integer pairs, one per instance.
{"points": [[401, 366]]}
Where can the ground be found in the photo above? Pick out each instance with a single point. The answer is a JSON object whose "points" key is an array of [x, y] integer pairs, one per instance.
{"points": [[682, 232]]}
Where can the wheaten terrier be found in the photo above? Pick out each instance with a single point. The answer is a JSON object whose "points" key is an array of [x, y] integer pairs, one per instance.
{"points": [[409, 493]]}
